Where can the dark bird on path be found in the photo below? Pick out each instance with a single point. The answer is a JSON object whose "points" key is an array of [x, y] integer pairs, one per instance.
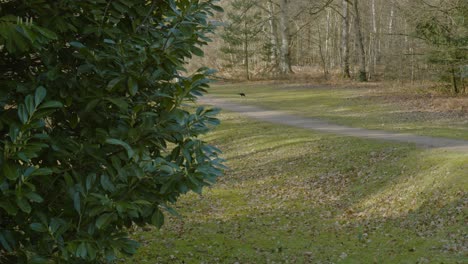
{"points": [[242, 94]]}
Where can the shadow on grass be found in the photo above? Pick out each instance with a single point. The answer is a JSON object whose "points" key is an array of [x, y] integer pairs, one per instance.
{"points": [[312, 236], [318, 199]]}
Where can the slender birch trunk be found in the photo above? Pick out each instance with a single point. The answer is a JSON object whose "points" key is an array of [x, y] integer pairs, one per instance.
{"points": [[345, 41], [285, 57], [322, 55], [246, 53], [335, 41], [390, 26], [327, 42], [373, 43], [272, 33]]}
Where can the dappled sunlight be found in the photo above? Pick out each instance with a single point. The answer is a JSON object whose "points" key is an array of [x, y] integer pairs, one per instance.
{"points": [[437, 177], [290, 194], [342, 109]]}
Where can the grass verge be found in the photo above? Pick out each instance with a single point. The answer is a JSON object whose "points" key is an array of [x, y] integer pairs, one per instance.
{"points": [[295, 196], [367, 106]]}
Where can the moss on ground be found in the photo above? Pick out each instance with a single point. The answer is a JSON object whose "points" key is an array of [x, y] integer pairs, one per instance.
{"points": [[295, 196]]}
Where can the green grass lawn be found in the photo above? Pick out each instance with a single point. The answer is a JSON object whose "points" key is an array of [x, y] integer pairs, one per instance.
{"points": [[365, 106], [295, 196]]}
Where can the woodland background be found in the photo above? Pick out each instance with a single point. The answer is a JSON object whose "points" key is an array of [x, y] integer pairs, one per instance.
{"points": [[409, 40]]}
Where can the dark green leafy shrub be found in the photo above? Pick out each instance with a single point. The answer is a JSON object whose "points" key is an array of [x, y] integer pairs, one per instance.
{"points": [[94, 137]]}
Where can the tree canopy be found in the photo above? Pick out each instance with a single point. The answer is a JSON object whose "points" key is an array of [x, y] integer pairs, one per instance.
{"points": [[94, 134]]}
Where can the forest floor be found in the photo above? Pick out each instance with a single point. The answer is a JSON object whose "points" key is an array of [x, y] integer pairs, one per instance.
{"points": [[293, 195]]}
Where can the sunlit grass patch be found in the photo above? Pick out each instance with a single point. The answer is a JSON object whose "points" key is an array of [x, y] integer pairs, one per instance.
{"points": [[432, 174]]}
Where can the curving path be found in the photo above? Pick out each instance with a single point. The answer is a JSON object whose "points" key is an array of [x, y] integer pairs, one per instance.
{"points": [[284, 118]]}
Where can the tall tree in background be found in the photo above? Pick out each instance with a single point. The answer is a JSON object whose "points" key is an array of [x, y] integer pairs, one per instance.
{"points": [[374, 41], [240, 31], [285, 56], [345, 40], [272, 34], [445, 29], [360, 43]]}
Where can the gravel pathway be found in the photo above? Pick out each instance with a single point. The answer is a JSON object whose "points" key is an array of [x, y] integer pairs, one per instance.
{"points": [[284, 118]]}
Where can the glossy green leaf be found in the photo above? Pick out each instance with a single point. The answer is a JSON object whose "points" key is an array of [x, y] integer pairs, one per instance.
{"points": [[91, 250], [5, 243], [197, 51], [81, 251], [39, 260], [42, 172], [157, 219], [90, 181], [51, 104], [114, 141], [38, 227], [109, 41], [103, 220], [217, 8], [23, 204], [23, 114], [132, 86], [9, 207], [106, 183], [13, 133], [54, 225], [113, 83], [91, 105], [77, 45], [77, 202], [47, 33], [30, 105], [10, 171], [39, 95], [120, 103], [35, 197]]}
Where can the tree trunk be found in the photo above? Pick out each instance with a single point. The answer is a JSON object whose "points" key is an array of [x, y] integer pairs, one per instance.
{"points": [[322, 55], [327, 43], [390, 26], [412, 65], [335, 55], [454, 80], [345, 41], [285, 57], [273, 38], [246, 54], [360, 44], [373, 44]]}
